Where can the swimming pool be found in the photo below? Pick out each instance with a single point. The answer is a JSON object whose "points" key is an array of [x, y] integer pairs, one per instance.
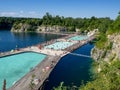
{"points": [[59, 45], [14, 67], [78, 38]]}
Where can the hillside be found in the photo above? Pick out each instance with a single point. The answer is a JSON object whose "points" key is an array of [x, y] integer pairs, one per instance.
{"points": [[106, 54]]}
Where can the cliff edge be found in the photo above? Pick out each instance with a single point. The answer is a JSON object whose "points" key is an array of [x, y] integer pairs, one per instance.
{"points": [[110, 51]]}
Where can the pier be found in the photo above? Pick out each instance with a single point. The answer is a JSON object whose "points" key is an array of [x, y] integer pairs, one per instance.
{"points": [[42, 70]]}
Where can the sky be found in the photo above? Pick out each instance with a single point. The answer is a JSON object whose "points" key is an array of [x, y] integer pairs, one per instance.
{"points": [[66, 8]]}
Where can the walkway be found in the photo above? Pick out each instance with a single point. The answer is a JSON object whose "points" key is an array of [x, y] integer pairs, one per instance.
{"points": [[81, 55], [42, 70]]}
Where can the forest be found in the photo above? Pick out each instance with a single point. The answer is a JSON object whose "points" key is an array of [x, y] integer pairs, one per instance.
{"points": [[83, 24]]}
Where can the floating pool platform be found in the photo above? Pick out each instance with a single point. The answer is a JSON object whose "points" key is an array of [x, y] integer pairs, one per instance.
{"points": [[53, 50], [59, 45], [79, 37], [15, 66]]}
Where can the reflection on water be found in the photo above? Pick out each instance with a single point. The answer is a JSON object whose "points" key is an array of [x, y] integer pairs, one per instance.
{"points": [[9, 40]]}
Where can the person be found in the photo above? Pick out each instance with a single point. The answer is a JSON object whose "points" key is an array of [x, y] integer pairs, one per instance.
{"points": [[47, 68], [43, 70], [51, 66]]}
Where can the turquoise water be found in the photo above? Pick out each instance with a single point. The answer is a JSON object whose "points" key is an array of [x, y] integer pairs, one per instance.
{"points": [[59, 45], [78, 38], [12, 68]]}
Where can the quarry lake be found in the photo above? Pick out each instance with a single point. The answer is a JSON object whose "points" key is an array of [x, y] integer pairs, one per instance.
{"points": [[9, 40], [71, 69]]}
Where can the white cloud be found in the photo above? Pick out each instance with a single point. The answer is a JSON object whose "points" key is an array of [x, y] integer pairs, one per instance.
{"points": [[32, 12], [20, 14], [21, 11], [8, 14]]}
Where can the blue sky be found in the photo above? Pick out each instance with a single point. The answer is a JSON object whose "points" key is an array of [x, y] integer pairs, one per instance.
{"points": [[66, 8]]}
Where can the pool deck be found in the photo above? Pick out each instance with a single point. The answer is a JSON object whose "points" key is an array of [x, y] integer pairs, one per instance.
{"points": [[43, 69]]}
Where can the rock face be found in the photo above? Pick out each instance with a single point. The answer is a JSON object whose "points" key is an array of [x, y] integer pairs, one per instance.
{"points": [[108, 54], [21, 27], [51, 28], [116, 44]]}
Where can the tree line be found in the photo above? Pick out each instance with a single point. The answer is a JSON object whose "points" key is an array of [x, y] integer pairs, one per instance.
{"points": [[83, 24]]}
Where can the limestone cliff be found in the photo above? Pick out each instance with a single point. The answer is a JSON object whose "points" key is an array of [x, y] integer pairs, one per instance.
{"points": [[54, 28], [108, 53], [20, 27], [23, 27]]}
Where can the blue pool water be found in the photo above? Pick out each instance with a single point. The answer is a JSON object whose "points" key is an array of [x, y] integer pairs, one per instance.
{"points": [[59, 45], [78, 38], [12, 68]]}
